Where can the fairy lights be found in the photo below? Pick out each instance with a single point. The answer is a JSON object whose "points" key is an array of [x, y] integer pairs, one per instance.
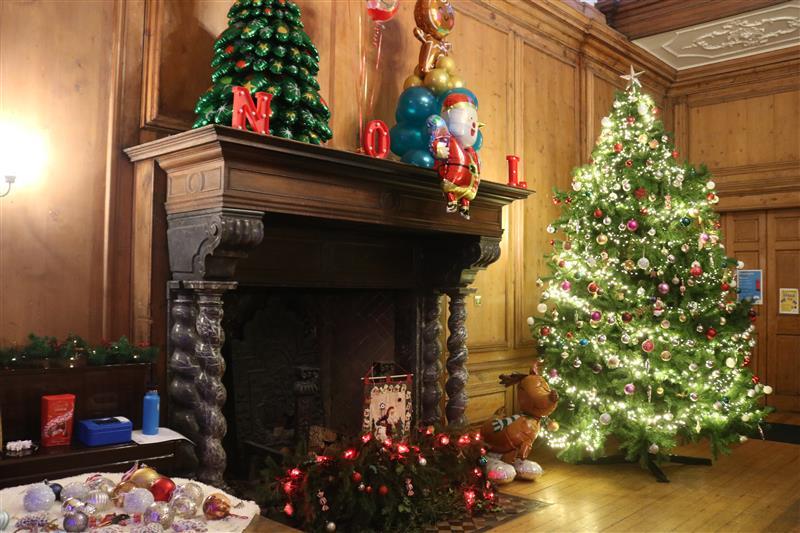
{"points": [[640, 324]]}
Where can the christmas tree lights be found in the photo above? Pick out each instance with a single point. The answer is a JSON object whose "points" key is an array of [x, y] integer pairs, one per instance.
{"points": [[640, 328]]}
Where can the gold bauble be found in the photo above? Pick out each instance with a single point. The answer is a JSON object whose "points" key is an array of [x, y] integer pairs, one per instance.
{"points": [[447, 63], [666, 355], [628, 265], [436, 80], [118, 494], [660, 391], [412, 81], [552, 425], [602, 239], [144, 477], [620, 296]]}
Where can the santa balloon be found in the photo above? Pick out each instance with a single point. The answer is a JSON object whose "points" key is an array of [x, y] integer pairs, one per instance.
{"points": [[453, 136]]}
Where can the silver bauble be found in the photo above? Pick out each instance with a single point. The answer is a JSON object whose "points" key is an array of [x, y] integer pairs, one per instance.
{"points": [[99, 498], [101, 483], [75, 522], [4, 520], [74, 490], [159, 513], [330, 526], [38, 497], [192, 490], [71, 504], [184, 507]]}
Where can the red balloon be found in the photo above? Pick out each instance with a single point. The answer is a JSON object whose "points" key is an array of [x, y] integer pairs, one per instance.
{"points": [[382, 10], [162, 489]]}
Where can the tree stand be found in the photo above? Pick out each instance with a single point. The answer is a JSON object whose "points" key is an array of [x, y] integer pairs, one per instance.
{"points": [[659, 474]]}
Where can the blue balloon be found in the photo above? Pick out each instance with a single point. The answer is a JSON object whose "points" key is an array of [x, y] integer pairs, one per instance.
{"points": [[420, 158], [415, 105], [478, 141], [405, 137]]}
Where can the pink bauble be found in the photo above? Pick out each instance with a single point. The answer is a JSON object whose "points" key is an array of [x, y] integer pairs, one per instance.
{"points": [[647, 346], [553, 373], [663, 288], [630, 388], [596, 315], [633, 225], [566, 285]]}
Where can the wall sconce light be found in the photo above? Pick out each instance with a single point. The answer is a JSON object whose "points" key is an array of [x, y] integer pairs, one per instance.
{"points": [[22, 155], [9, 182]]}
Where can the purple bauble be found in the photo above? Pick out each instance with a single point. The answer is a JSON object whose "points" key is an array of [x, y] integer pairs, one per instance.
{"points": [[596, 315], [633, 225], [630, 388], [663, 288], [566, 285], [553, 373]]}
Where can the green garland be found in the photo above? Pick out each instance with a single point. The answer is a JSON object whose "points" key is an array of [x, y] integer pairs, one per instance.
{"points": [[46, 352], [394, 485]]}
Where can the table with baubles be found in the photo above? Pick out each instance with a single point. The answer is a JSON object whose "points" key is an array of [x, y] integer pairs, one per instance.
{"points": [[140, 500]]}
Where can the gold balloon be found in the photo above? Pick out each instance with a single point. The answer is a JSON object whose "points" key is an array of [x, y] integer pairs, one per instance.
{"points": [[144, 477], [436, 80], [456, 82], [447, 63], [118, 494], [412, 81]]}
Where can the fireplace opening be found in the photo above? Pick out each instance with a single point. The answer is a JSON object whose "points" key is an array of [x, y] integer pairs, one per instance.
{"points": [[296, 358]]}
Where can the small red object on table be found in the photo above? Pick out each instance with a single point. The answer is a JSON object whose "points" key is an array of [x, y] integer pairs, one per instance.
{"points": [[58, 411]]}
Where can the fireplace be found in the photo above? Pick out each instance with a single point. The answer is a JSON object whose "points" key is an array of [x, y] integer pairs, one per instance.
{"points": [[313, 263]]}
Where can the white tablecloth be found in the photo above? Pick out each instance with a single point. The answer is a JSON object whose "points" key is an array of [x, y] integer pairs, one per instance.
{"points": [[11, 502]]}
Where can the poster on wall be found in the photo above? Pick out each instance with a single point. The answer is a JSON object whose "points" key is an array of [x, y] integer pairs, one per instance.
{"points": [[788, 301], [750, 286]]}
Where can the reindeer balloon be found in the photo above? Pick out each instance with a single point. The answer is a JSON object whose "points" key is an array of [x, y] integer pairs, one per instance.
{"points": [[510, 438], [453, 137]]}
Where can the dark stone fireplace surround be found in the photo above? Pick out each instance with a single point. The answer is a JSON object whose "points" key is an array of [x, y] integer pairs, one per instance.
{"points": [[251, 214]]}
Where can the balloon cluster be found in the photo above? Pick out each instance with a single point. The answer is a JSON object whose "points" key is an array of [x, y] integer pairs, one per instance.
{"points": [[438, 79], [410, 137]]}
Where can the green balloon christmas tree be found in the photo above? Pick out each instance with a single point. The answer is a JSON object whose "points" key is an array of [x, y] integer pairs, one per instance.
{"points": [[641, 331], [265, 49]]}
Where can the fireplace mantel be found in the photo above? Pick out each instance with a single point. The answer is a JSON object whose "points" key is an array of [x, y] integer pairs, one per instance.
{"points": [[213, 195], [221, 167]]}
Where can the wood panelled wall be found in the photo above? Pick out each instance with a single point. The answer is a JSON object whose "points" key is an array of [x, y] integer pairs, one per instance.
{"points": [[123, 72]]}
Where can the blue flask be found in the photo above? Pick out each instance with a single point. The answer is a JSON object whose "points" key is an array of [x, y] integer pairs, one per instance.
{"points": [[150, 411]]}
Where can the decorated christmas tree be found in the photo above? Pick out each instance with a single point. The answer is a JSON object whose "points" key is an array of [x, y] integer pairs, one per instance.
{"points": [[265, 49], [641, 331]]}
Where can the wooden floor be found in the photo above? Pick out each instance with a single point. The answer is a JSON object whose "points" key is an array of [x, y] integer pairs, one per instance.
{"points": [[756, 488]]}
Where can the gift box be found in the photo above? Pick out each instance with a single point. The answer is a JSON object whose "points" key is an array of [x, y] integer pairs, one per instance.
{"points": [[57, 415], [104, 431]]}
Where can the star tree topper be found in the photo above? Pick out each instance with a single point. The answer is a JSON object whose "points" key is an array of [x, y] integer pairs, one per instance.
{"points": [[632, 78]]}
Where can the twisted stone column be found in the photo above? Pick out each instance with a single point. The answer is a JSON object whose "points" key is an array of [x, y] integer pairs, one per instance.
{"points": [[212, 393], [183, 372], [431, 363], [457, 358]]}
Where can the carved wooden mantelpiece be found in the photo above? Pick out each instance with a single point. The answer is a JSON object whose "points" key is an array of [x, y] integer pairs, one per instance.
{"points": [[296, 215]]}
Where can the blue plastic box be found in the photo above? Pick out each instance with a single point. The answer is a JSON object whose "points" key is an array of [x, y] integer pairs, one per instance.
{"points": [[104, 431]]}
